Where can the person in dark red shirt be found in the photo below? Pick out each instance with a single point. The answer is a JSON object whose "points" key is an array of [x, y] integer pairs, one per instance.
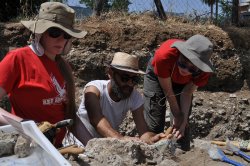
{"points": [[175, 71], [37, 79]]}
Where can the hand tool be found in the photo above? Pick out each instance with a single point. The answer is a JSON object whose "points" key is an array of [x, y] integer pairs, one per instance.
{"points": [[217, 154], [242, 145], [237, 151]]}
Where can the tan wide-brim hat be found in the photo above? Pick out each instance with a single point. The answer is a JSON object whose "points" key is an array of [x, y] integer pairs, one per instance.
{"points": [[54, 14], [198, 49], [126, 62]]}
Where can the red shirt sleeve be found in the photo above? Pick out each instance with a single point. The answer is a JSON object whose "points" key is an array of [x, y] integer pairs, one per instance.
{"points": [[164, 59], [9, 71]]}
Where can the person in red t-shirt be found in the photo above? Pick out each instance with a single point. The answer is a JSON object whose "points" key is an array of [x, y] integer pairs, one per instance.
{"points": [[177, 69], [37, 79]]}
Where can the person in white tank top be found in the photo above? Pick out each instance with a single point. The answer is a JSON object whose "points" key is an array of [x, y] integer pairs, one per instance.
{"points": [[105, 102]]}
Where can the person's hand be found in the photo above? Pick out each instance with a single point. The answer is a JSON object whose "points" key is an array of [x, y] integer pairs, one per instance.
{"points": [[179, 132], [146, 137], [177, 121], [49, 130], [150, 137]]}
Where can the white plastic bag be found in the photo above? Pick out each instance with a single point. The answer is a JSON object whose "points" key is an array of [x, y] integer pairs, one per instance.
{"points": [[44, 153]]}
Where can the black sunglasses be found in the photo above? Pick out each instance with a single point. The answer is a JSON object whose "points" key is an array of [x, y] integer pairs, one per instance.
{"points": [[56, 32], [125, 78], [194, 72]]}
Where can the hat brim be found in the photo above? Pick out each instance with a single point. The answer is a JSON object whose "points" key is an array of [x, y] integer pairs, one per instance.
{"points": [[192, 56], [126, 69], [42, 25]]}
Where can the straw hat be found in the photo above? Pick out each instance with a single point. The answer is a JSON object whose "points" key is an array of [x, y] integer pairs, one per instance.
{"points": [[126, 62], [198, 49], [54, 14]]}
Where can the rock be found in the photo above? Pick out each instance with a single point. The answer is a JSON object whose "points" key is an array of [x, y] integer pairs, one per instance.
{"points": [[198, 102], [7, 143], [6, 147], [110, 151], [245, 101], [221, 112], [22, 147], [232, 96]]}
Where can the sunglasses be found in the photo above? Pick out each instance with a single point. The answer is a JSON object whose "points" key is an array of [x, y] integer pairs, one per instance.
{"points": [[191, 70], [56, 32], [125, 78]]}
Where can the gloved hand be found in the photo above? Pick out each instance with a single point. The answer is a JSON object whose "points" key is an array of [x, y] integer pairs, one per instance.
{"points": [[71, 149], [168, 133], [50, 130]]}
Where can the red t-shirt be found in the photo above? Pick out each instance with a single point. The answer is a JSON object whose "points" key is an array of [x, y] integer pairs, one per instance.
{"points": [[164, 63], [35, 87]]}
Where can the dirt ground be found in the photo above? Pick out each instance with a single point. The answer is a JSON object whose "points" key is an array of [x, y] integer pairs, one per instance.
{"points": [[199, 156], [221, 109]]}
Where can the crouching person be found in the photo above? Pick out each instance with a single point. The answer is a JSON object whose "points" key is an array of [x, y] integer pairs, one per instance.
{"points": [[105, 102], [173, 74]]}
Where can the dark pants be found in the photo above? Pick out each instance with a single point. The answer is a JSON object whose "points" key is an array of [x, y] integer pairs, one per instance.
{"points": [[155, 108]]}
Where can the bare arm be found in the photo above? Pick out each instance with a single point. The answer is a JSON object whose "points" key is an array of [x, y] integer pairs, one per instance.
{"points": [[139, 120], [81, 132], [144, 133], [96, 117], [166, 85], [4, 112], [186, 99]]}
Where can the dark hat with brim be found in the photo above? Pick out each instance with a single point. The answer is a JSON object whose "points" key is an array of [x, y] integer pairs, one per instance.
{"points": [[198, 49], [54, 14]]}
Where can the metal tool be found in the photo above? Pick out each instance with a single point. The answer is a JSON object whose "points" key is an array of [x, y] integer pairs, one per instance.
{"points": [[63, 123]]}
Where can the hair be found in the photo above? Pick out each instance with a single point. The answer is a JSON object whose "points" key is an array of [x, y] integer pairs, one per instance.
{"points": [[185, 58], [66, 71]]}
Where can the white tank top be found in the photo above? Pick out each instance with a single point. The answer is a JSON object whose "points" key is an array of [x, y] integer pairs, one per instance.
{"points": [[114, 112]]}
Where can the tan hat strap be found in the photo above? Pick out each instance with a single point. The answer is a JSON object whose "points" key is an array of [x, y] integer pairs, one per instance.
{"points": [[125, 67], [62, 19]]}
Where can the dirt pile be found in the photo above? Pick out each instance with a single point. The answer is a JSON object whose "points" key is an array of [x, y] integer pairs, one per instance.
{"points": [[226, 117], [141, 34]]}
